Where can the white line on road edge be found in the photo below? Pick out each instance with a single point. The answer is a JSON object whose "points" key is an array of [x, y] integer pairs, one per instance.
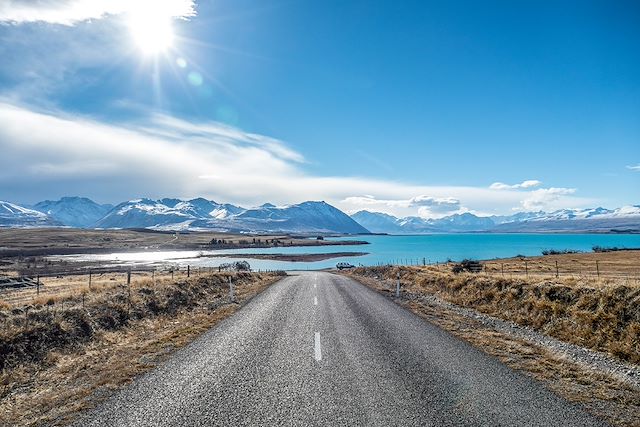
{"points": [[318, 348], [315, 300]]}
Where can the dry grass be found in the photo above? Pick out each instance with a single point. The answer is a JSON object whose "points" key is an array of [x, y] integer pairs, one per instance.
{"points": [[618, 265], [602, 315], [601, 394], [71, 286], [68, 358]]}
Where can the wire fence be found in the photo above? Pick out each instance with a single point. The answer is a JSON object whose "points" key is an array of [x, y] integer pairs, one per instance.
{"points": [[35, 284], [39, 286], [539, 268]]}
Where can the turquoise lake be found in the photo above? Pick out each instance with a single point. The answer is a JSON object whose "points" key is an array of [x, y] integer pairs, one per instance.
{"points": [[440, 247], [395, 249]]}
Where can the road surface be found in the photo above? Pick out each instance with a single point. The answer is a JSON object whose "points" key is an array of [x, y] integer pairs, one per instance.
{"points": [[322, 349]]}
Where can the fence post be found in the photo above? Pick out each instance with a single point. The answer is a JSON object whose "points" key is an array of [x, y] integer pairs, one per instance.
{"points": [[129, 277], [557, 272], [526, 269], [188, 271], [502, 268], [231, 295], [597, 268], [89, 279], [398, 286], [38, 284]]}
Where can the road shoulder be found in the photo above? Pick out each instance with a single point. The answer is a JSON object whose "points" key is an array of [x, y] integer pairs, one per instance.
{"points": [[600, 392]]}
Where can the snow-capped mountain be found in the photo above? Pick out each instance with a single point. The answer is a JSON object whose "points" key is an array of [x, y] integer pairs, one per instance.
{"points": [[378, 222], [626, 218], [318, 217], [73, 211], [165, 213], [12, 215], [205, 214]]}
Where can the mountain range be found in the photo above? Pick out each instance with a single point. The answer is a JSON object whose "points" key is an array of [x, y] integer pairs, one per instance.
{"points": [[306, 217], [176, 214], [625, 219]]}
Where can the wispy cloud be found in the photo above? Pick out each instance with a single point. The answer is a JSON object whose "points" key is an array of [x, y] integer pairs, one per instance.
{"points": [[524, 184], [635, 168], [70, 12], [546, 198], [50, 154], [428, 206]]}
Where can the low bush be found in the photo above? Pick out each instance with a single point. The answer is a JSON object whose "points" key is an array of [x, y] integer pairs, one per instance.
{"points": [[467, 265], [559, 252], [602, 249]]}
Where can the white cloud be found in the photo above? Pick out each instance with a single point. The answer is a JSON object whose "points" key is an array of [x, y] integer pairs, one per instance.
{"points": [[70, 12], [547, 199], [524, 184], [428, 206], [635, 168], [49, 154]]}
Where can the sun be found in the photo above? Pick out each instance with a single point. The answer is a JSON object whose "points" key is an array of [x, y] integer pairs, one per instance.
{"points": [[152, 31]]}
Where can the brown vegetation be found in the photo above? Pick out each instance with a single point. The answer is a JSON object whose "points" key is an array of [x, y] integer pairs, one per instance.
{"points": [[551, 307], [63, 287], [49, 241], [58, 351], [623, 264], [600, 314]]}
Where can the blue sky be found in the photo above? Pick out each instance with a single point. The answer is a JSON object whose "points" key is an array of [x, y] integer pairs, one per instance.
{"points": [[411, 107]]}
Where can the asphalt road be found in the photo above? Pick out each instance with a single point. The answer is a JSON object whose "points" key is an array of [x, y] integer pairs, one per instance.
{"points": [[321, 349]]}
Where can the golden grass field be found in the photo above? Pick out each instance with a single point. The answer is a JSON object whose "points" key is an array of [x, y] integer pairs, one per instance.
{"points": [[589, 265], [68, 287]]}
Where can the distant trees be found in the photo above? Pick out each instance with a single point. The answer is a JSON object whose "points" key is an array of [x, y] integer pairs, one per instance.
{"points": [[559, 252], [612, 249]]}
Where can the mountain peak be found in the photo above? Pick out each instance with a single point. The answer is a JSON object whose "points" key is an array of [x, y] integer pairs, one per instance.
{"points": [[73, 210]]}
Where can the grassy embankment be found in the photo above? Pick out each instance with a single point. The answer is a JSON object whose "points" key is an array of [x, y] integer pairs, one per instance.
{"points": [[599, 314], [64, 353], [578, 307]]}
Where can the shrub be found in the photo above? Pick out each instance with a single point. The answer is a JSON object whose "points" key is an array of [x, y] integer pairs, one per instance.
{"points": [[469, 265], [559, 252]]}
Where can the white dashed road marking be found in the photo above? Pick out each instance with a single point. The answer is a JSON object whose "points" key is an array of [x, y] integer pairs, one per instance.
{"points": [[318, 352]]}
